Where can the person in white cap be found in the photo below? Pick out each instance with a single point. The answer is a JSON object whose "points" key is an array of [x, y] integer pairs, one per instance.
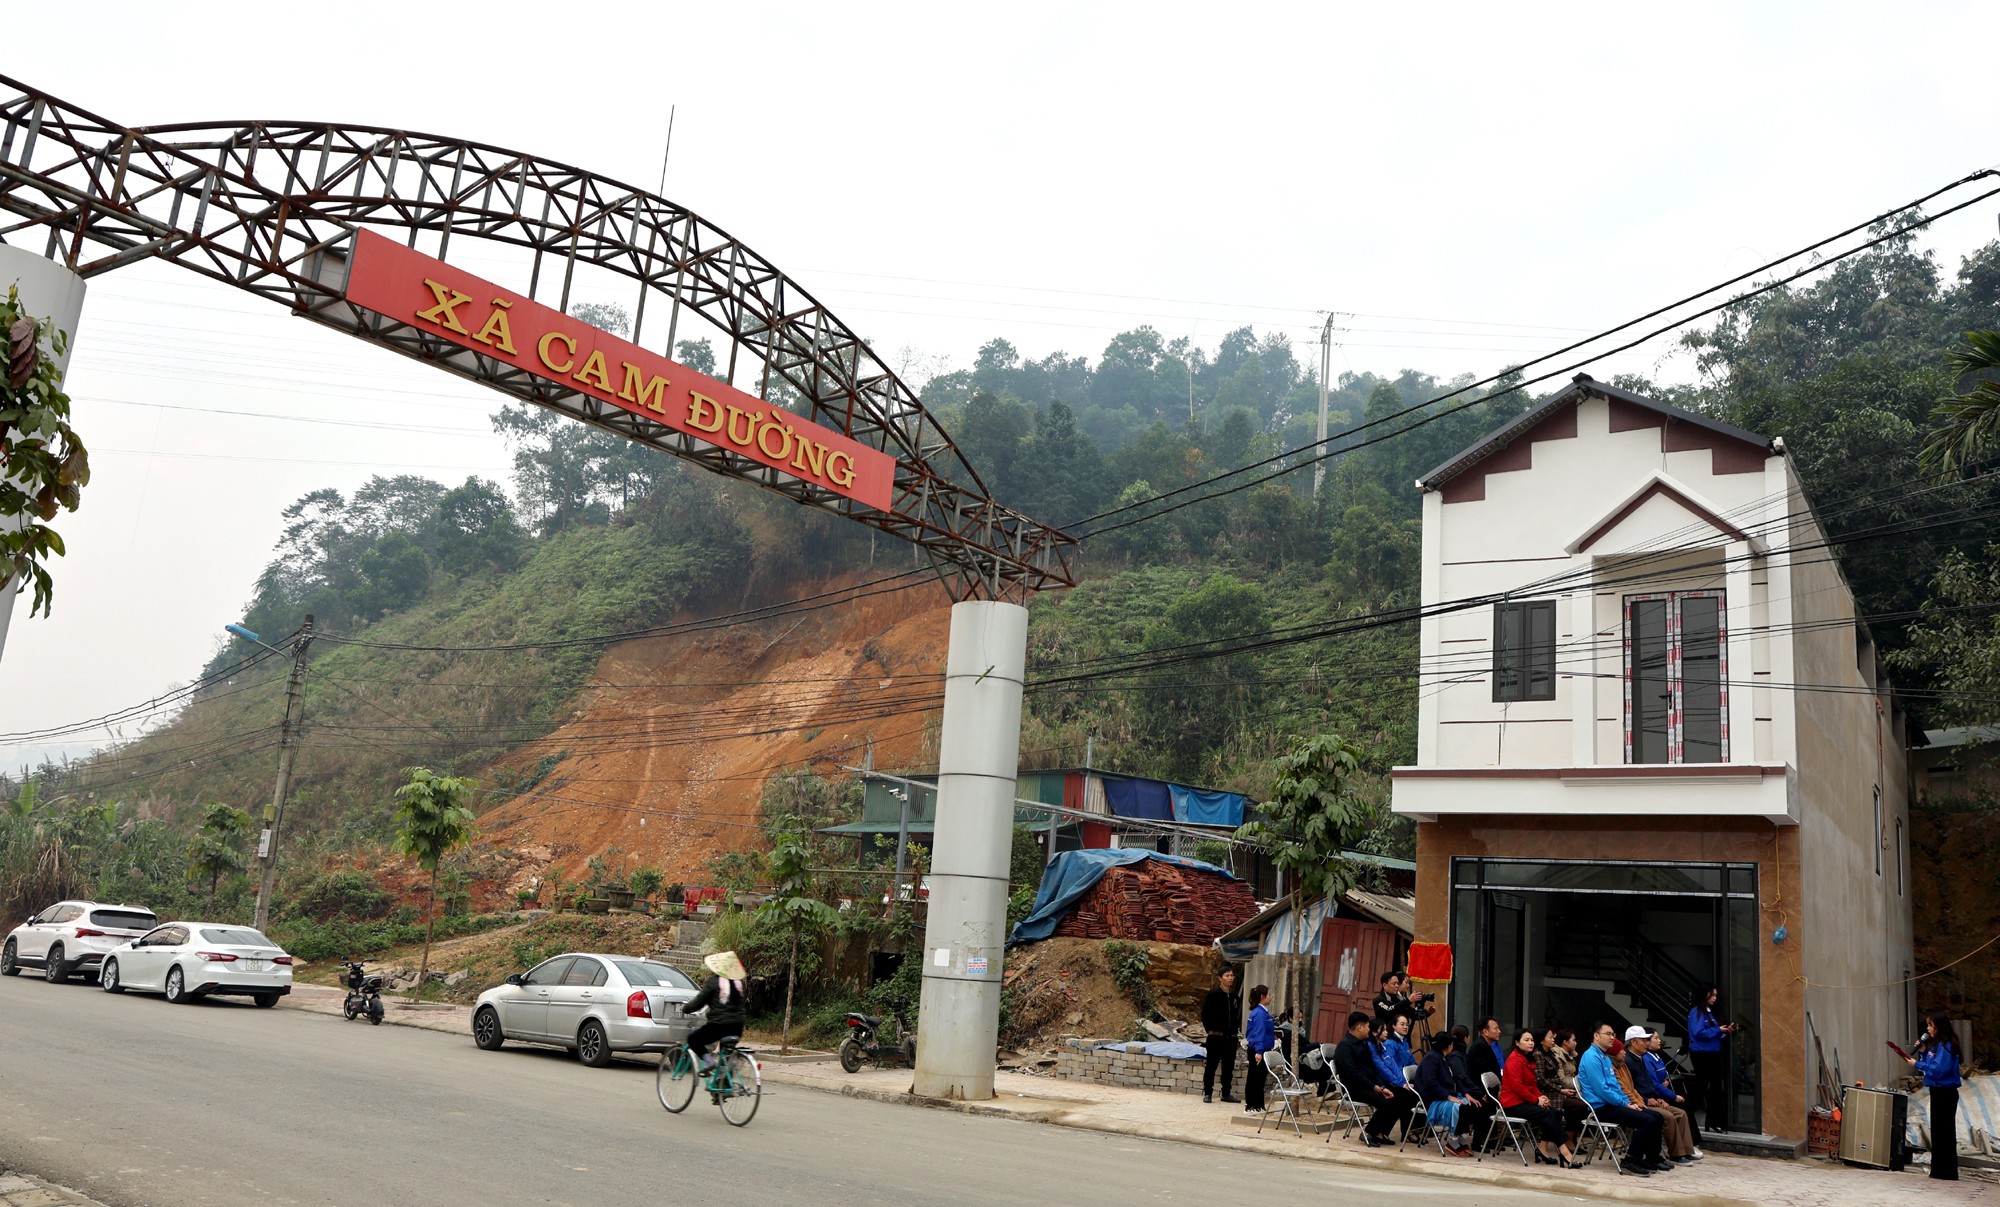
{"points": [[723, 996], [1677, 1132]]}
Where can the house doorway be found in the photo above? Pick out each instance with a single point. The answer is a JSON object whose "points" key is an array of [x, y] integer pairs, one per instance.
{"points": [[1543, 942]]}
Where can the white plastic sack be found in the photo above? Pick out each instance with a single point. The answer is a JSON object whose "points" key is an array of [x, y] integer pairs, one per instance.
{"points": [[1978, 1117]]}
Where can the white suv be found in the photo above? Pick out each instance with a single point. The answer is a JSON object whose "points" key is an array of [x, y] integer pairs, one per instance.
{"points": [[72, 936]]}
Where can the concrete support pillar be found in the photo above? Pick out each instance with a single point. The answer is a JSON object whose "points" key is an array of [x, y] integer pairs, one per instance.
{"points": [[958, 1020], [49, 291]]}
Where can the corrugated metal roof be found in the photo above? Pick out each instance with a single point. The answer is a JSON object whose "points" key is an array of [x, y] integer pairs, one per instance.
{"points": [[1399, 912], [1584, 384]]}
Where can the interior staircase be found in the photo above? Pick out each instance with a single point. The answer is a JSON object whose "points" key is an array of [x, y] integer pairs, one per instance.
{"points": [[1639, 981]]}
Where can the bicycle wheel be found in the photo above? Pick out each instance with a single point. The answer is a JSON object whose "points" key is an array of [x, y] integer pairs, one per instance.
{"points": [[744, 1089], [675, 1081]]}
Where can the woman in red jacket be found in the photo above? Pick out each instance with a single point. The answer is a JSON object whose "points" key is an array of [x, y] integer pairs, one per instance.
{"points": [[1524, 1100]]}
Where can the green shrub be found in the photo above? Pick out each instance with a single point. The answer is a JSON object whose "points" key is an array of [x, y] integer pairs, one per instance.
{"points": [[646, 882], [1129, 962], [342, 894]]}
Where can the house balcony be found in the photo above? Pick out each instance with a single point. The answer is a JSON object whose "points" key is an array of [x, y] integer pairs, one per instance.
{"points": [[1768, 791]]}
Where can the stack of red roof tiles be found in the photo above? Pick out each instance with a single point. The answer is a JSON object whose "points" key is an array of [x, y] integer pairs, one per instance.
{"points": [[1162, 902]]}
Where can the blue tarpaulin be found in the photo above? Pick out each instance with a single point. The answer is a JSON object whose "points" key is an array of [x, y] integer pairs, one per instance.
{"points": [[1145, 799], [1201, 807], [1073, 874], [1171, 1049]]}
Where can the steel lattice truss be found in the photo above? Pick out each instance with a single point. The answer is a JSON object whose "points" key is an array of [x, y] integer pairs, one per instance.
{"points": [[272, 207]]}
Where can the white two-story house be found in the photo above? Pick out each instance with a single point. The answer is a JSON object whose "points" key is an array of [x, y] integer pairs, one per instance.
{"points": [[1654, 749]]}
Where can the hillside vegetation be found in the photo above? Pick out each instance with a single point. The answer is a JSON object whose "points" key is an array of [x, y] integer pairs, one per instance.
{"points": [[607, 648]]}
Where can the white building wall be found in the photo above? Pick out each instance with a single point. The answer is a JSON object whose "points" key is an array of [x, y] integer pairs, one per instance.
{"points": [[1520, 539]]}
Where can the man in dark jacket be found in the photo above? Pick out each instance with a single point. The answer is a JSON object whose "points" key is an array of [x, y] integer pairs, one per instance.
{"points": [[1354, 1064], [1483, 1056], [1222, 1018]]}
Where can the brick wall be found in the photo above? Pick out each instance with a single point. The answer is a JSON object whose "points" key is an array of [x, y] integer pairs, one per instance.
{"points": [[1081, 1060]]}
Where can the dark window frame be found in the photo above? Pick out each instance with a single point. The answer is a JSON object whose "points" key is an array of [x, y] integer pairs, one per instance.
{"points": [[1674, 677], [1524, 669]]}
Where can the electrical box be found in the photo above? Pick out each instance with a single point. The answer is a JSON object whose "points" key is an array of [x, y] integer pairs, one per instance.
{"points": [[1872, 1126]]}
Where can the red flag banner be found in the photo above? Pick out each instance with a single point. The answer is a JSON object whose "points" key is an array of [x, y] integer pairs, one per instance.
{"points": [[1430, 962]]}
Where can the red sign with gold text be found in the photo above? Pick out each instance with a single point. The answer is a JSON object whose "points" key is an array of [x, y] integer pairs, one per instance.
{"points": [[430, 295]]}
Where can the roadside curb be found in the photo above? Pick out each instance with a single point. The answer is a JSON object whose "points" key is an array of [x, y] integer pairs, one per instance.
{"points": [[25, 1190], [1627, 1191]]}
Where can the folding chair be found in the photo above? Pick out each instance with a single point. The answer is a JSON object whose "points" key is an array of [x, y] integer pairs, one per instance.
{"points": [[1514, 1125], [1289, 1089], [1598, 1133], [1420, 1116], [1343, 1105]]}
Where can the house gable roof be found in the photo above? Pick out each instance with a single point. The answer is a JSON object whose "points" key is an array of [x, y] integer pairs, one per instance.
{"points": [[1659, 486], [1651, 413]]}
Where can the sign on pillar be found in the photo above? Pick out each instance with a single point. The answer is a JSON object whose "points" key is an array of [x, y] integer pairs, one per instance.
{"points": [[958, 1019], [48, 291]]}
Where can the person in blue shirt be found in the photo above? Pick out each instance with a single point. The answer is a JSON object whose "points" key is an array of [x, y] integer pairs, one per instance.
{"points": [[1597, 1082], [1937, 1059], [1655, 1086], [1706, 1036], [1397, 1041], [1389, 1063], [1260, 1035]]}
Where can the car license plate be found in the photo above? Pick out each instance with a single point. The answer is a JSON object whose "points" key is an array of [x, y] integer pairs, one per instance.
{"points": [[256, 965]]}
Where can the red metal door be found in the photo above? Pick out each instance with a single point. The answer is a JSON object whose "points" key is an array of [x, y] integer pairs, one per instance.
{"points": [[1353, 955]]}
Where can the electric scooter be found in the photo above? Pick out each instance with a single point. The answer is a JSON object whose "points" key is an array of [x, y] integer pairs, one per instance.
{"points": [[364, 995], [864, 1043]]}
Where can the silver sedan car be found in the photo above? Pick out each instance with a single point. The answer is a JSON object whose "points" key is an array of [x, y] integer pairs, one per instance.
{"points": [[590, 1003]]}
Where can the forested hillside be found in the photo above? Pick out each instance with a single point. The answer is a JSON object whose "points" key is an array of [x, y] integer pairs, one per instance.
{"points": [[464, 625]]}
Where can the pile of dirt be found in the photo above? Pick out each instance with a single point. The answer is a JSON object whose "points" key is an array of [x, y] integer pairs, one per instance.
{"points": [[666, 755], [1063, 987]]}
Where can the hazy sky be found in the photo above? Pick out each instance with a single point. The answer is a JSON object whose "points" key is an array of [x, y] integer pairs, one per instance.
{"points": [[1473, 184]]}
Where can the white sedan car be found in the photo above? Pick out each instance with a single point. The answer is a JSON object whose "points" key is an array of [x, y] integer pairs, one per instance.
{"points": [[189, 960], [590, 1003]]}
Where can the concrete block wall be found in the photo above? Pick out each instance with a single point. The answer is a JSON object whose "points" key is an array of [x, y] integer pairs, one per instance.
{"points": [[1081, 1060]]}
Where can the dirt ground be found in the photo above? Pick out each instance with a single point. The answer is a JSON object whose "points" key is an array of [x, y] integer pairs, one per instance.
{"points": [[488, 958], [667, 758], [1063, 986]]}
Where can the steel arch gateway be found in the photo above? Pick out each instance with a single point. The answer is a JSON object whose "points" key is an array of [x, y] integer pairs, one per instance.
{"points": [[351, 227], [281, 209]]}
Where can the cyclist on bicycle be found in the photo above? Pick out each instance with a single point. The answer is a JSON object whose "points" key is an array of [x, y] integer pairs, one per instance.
{"points": [[723, 995]]}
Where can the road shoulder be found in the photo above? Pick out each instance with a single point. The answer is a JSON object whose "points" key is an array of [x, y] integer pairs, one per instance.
{"points": [[19, 1189]]}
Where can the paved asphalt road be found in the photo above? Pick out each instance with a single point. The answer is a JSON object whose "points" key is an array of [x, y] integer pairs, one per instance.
{"points": [[136, 1102]]}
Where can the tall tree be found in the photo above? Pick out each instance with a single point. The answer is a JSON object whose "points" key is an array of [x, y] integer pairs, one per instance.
{"points": [[1313, 814], [1966, 423], [47, 465], [217, 847], [432, 820], [796, 907]]}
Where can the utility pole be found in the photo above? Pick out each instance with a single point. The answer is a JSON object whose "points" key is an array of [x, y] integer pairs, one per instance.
{"points": [[288, 742], [1325, 367]]}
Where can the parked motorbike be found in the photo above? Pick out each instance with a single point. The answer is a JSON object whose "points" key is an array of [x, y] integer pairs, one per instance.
{"points": [[864, 1042], [364, 995]]}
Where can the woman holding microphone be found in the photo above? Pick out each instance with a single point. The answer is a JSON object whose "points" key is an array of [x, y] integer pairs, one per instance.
{"points": [[1937, 1059]]}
